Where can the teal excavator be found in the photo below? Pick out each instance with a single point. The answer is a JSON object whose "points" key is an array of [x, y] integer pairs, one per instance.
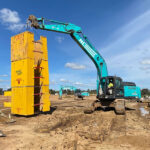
{"points": [[111, 90], [77, 92]]}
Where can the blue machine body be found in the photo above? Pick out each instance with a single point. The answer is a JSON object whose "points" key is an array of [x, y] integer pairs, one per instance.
{"points": [[132, 92], [85, 94]]}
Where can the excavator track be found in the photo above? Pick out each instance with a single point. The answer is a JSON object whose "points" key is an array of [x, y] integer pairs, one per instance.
{"points": [[93, 107], [119, 106]]}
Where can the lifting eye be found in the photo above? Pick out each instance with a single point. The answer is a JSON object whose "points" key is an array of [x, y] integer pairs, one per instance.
{"points": [[97, 58], [101, 64]]}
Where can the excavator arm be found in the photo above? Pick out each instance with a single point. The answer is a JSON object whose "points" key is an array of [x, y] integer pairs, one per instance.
{"points": [[76, 33], [72, 88]]}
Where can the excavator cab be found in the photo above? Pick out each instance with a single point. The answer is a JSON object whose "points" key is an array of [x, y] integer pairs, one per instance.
{"points": [[111, 87], [78, 94]]}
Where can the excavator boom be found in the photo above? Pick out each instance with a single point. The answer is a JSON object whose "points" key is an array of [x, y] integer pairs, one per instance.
{"points": [[76, 33]]}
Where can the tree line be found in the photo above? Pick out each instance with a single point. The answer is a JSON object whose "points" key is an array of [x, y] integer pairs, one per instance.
{"points": [[144, 92], [2, 91], [70, 92]]}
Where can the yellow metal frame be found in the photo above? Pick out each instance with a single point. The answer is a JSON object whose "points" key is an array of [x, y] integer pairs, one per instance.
{"points": [[30, 75], [7, 93]]}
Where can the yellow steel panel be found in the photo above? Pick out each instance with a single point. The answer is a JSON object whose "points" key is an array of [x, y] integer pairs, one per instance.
{"points": [[45, 98], [44, 47], [44, 73], [22, 73], [38, 53], [29, 63], [22, 46], [44, 63], [45, 89], [41, 60], [40, 50], [7, 93], [46, 102], [42, 101], [22, 101], [7, 104]]}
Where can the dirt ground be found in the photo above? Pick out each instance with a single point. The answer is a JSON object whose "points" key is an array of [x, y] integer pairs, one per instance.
{"points": [[66, 127]]}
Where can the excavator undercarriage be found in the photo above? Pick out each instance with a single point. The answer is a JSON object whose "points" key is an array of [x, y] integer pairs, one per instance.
{"points": [[118, 105]]}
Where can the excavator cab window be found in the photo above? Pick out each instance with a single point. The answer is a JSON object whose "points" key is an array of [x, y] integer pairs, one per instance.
{"points": [[103, 82], [117, 83], [119, 90], [110, 86], [77, 91], [110, 83], [102, 86]]}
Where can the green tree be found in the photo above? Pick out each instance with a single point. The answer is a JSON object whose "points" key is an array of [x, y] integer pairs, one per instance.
{"points": [[1, 91], [52, 91], [9, 89], [145, 92]]}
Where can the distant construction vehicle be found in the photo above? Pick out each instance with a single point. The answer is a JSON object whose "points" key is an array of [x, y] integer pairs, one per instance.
{"points": [[77, 92], [110, 89]]}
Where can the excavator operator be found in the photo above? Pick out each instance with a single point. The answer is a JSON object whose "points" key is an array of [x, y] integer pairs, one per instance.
{"points": [[110, 85]]}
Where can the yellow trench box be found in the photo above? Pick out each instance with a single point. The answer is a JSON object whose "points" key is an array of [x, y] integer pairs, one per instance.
{"points": [[29, 74]]}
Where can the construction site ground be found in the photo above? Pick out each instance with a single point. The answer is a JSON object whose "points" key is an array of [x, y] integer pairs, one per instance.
{"points": [[66, 127]]}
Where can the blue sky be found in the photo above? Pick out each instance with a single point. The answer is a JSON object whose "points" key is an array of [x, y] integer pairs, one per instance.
{"points": [[119, 29]]}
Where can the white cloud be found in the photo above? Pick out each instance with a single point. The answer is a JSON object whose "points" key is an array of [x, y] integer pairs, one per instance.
{"points": [[145, 62], [127, 54], [11, 20], [9, 16], [1, 80], [75, 66], [4, 75], [5, 87], [127, 33], [87, 85], [59, 39], [16, 27], [146, 68], [60, 81], [78, 83], [72, 79], [64, 80], [52, 82], [128, 64]]}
